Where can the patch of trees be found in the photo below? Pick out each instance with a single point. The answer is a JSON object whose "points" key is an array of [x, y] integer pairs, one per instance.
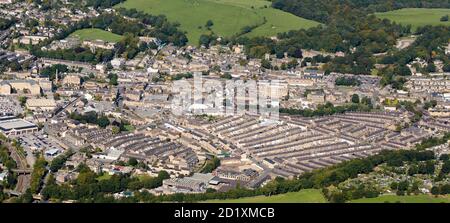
{"points": [[5, 23], [81, 54], [90, 117], [162, 29], [326, 109], [58, 162], [347, 81], [211, 165], [433, 141], [88, 189], [440, 189], [181, 76], [103, 3], [39, 171], [324, 10], [50, 71]]}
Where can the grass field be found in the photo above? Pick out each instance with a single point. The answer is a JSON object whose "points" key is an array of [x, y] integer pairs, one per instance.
{"points": [[416, 17], [93, 34], [303, 196], [228, 16], [404, 199], [105, 176]]}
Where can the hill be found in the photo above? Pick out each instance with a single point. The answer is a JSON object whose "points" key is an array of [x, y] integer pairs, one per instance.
{"points": [[94, 34], [416, 17], [229, 16]]}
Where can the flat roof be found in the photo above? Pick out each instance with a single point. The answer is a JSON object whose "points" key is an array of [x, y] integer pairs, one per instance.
{"points": [[7, 125]]}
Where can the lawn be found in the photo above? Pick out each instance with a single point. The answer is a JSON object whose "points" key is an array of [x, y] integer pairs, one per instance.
{"points": [[404, 199], [228, 16], [105, 176], [94, 34], [416, 17], [303, 196], [129, 128]]}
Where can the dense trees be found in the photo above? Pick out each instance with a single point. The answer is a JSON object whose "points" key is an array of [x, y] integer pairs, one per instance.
{"points": [[5, 23], [39, 171], [58, 162], [323, 10], [347, 81], [211, 165], [326, 109], [91, 117], [77, 54], [88, 189], [50, 71], [103, 3], [162, 29]]}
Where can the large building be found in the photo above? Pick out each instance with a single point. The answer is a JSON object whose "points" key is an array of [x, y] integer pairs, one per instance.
{"points": [[41, 104], [12, 126], [6, 1], [8, 87]]}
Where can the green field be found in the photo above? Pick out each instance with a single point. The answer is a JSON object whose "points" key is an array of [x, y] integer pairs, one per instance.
{"points": [[94, 34], [404, 199], [105, 176], [228, 16], [416, 17], [303, 196]]}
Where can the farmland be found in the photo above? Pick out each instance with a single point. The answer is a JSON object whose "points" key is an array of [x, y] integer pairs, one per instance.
{"points": [[416, 17], [228, 16]]}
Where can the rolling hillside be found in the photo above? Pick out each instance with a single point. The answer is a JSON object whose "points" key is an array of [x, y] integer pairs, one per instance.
{"points": [[416, 17], [228, 16]]}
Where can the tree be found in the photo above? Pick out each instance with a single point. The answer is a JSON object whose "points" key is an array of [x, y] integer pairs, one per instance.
{"points": [[103, 121], [132, 162], [266, 64], [431, 67], [115, 129], [355, 98], [446, 67], [209, 24], [444, 18]]}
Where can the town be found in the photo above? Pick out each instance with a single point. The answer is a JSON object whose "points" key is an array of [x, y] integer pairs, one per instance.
{"points": [[71, 106]]}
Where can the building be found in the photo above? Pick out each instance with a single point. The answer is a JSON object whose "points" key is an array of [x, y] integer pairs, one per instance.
{"points": [[93, 44], [317, 97], [33, 40], [12, 126], [43, 104], [8, 87], [3, 176], [72, 81]]}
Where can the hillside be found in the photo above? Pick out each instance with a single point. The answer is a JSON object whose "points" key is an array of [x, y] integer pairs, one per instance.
{"points": [[94, 34], [416, 17], [229, 17]]}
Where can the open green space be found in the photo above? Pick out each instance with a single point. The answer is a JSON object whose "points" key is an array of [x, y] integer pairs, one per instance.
{"points": [[303, 196], [228, 16], [94, 34], [416, 17], [422, 198], [105, 176]]}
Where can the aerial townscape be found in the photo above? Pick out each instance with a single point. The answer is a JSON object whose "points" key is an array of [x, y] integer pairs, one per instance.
{"points": [[88, 89]]}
